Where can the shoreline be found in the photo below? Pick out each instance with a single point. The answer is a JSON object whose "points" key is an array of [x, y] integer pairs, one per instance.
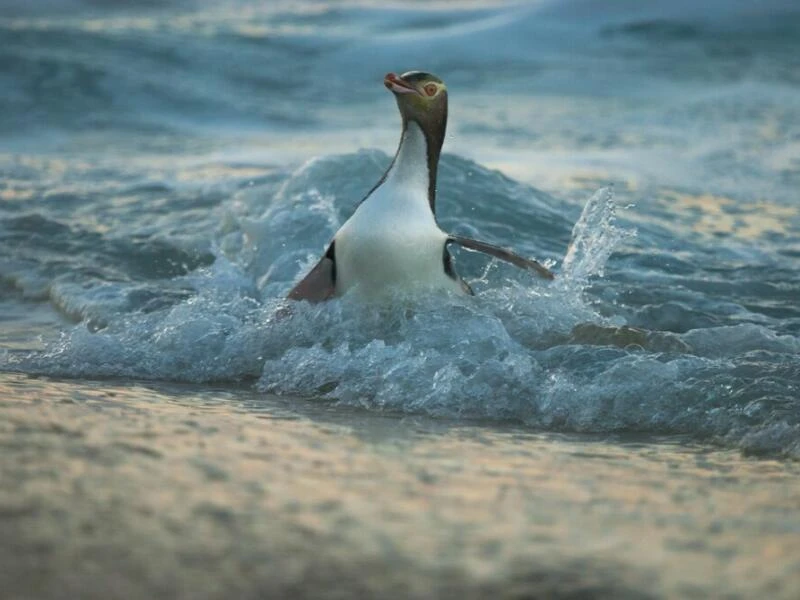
{"points": [[119, 491]]}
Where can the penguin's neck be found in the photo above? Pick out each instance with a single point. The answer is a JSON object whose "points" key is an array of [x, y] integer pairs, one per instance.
{"points": [[415, 164]]}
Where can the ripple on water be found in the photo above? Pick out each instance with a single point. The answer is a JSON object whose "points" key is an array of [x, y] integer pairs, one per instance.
{"points": [[522, 349]]}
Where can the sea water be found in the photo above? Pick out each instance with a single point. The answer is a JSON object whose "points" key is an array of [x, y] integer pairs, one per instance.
{"points": [[168, 172]]}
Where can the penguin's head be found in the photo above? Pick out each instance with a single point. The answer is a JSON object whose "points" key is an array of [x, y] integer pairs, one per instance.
{"points": [[421, 97]]}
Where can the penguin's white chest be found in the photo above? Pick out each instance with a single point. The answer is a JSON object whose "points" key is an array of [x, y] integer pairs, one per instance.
{"points": [[392, 243]]}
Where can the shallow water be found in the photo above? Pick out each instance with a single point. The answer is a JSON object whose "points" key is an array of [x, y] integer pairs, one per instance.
{"points": [[156, 490], [167, 172]]}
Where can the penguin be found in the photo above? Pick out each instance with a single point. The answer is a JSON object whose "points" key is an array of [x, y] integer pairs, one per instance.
{"points": [[392, 241]]}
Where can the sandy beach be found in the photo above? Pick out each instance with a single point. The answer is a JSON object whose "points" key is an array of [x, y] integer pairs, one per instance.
{"points": [[140, 491]]}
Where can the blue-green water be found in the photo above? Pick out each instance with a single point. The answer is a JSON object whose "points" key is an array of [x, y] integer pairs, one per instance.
{"points": [[169, 428], [167, 173]]}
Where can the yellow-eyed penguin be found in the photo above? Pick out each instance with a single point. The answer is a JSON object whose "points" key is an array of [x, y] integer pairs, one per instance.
{"points": [[392, 240]]}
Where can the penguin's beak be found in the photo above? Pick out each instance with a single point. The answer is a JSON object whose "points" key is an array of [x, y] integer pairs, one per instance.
{"points": [[397, 85]]}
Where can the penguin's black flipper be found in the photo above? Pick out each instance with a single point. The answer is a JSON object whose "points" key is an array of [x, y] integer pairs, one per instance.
{"points": [[320, 283], [503, 254]]}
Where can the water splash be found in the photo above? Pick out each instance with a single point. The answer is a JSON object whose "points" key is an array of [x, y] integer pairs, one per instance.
{"points": [[595, 237], [510, 352]]}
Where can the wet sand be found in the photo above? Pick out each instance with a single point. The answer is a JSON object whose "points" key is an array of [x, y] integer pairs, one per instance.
{"points": [[128, 490]]}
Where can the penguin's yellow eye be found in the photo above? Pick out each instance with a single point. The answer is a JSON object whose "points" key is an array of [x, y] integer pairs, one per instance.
{"points": [[430, 89]]}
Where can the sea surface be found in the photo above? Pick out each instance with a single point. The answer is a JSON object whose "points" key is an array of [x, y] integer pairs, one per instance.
{"points": [[168, 170]]}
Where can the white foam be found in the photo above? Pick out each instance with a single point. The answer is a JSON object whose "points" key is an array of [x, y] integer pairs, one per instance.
{"points": [[504, 354]]}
